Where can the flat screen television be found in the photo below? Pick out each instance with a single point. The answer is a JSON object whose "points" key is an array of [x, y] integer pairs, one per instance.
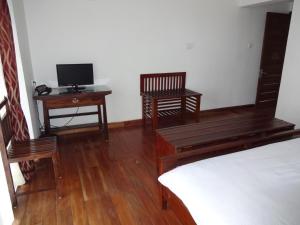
{"points": [[75, 74]]}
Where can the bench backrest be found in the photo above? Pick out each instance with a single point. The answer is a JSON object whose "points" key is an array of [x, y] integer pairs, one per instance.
{"points": [[162, 82]]}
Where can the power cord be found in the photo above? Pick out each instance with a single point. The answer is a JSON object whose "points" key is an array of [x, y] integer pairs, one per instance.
{"points": [[70, 120], [42, 127]]}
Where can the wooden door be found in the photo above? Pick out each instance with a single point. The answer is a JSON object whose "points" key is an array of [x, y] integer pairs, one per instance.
{"points": [[272, 59]]}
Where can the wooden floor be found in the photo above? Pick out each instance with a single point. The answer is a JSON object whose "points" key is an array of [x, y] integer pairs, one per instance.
{"points": [[103, 183]]}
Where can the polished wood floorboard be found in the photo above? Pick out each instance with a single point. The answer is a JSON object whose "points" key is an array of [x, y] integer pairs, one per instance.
{"points": [[109, 183]]}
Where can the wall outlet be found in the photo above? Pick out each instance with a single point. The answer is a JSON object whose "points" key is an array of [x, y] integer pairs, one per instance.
{"points": [[189, 45]]}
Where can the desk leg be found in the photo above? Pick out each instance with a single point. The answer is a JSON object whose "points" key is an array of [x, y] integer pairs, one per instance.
{"points": [[46, 119], [105, 128], [99, 117]]}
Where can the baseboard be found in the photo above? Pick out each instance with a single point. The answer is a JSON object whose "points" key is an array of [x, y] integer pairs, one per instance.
{"points": [[132, 123], [124, 124], [92, 127], [228, 108]]}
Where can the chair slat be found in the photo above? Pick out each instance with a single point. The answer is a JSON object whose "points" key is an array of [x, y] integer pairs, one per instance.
{"points": [[6, 129], [162, 82], [5, 122]]}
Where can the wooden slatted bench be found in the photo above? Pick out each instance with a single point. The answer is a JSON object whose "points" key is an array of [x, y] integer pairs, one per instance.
{"points": [[171, 161], [165, 95], [185, 138]]}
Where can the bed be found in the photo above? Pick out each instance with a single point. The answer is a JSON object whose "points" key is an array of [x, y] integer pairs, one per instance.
{"points": [[258, 186]]}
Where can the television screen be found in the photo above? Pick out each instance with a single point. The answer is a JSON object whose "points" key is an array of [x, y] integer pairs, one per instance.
{"points": [[75, 74]]}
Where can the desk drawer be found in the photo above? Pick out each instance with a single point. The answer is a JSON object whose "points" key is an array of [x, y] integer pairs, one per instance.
{"points": [[74, 102]]}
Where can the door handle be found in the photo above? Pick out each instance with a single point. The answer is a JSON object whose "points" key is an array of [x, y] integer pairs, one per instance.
{"points": [[262, 72]]}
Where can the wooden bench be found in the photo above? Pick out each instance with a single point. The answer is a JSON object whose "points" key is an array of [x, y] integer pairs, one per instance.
{"points": [[169, 162], [202, 135], [13, 151], [183, 138], [165, 95], [180, 145]]}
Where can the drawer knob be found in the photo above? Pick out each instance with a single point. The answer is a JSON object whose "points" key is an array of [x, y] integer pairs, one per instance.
{"points": [[75, 100]]}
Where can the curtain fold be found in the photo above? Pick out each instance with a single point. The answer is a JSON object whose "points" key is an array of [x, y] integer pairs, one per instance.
{"points": [[8, 57]]}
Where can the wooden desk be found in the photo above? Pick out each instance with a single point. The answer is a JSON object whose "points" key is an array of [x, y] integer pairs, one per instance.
{"points": [[178, 139], [62, 98]]}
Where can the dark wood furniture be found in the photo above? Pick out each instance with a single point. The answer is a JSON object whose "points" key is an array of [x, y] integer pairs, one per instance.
{"points": [[184, 144], [164, 95], [65, 98], [12, 151], [183, 138]]}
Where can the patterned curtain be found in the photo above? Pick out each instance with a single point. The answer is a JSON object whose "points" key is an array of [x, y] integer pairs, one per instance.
{"points": [[7, 53]]}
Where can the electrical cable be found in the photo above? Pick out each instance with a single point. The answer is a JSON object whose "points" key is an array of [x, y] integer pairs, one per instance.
{"points": [[42, 127], [70, 120], [40, 123]]}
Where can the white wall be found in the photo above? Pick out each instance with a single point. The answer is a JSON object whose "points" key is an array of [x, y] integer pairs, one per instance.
{"points": [[288, 107], [25, 73], [206, 38]]}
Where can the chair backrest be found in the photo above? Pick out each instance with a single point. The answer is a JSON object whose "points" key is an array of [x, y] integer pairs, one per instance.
{"points": [[162, 82], [6, 133]]}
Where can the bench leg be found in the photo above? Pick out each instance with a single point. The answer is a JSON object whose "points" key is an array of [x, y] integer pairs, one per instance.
{"points": [[183, 108], [57, 174], [197, 111], [144, 111], [58, 158], [164, 198]]}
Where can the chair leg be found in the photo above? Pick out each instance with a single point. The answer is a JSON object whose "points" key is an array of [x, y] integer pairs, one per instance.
{"points": [[56, 169], [144, 111], [10, 184], [9, 179], [154, 114]]}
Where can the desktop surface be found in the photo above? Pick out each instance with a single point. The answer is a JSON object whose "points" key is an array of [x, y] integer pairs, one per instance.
{"points": [[64, 91]]}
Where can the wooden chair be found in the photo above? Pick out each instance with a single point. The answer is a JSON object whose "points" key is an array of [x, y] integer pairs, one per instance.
{"points": [[12, 151], [165, 95]]}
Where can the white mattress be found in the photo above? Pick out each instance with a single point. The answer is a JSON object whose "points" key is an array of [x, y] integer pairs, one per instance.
{"points": [[260, 186]]}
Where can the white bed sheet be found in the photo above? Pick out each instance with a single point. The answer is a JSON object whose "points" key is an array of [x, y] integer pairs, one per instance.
{"points": [[260, 186]]}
